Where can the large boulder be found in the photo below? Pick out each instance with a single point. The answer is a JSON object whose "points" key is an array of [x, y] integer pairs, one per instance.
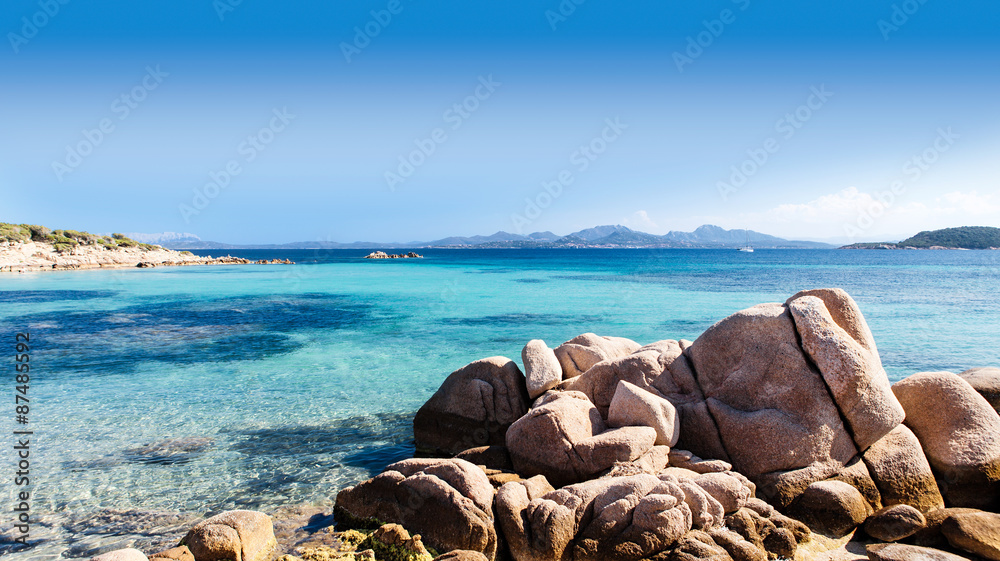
{"points": [[474, 406], [894, 523], [661, 369], [614, 518], [634, 406], [900, 469], [128, 554], [772, 407], [727, 488], [930, 535], [179, 553], [975, 532], [448, 502], [830, 507], [631, 517], [836, 337], [542, 532], [542, 371], [782, 488], [490, 457], [763, 526], [960, 435], [903, 552], [600, 382], [684, 459], [737, 547], [243, 535], [577, 355], [678, 385], [856, 474], [565, 439], [986, 381], [652, 462], [461, 555], [706, 511], [697, 545]]}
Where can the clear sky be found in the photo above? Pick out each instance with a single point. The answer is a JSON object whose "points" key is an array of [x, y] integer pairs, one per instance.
{"points": [[249, 121]]}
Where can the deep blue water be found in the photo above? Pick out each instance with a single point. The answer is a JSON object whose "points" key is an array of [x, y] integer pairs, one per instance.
{"points": [[281, 384]]}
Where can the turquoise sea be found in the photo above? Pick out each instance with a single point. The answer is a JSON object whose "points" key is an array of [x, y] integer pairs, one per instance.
{"points": [[189, 390]]}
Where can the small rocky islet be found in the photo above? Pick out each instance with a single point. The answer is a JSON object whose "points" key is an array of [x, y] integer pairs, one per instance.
{"points": [[384, 255], [775, 435]]}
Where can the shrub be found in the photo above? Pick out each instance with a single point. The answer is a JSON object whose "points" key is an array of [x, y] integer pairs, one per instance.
{"points": [[65, 238], [59, 239], [39, 233], [14, 232]]}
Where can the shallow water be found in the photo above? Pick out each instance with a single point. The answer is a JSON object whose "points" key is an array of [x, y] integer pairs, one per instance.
{"points": [[170, 393]]}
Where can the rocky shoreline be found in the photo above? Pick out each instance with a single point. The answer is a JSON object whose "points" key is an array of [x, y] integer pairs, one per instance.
{"points": [[775, 435], [892, 246], [31, 256], [384, 255]]}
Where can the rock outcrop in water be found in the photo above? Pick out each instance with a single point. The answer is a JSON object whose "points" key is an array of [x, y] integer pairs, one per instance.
{"points": [[718, 449], [384, 255], [474, 406]]}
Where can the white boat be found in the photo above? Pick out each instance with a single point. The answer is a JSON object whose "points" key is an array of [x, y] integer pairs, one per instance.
{"points": [[747, 248]]}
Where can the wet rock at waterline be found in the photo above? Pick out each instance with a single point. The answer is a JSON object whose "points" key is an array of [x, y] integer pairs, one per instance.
{"points": [[474, 406]]}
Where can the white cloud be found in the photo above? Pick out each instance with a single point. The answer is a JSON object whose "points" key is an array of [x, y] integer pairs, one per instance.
{"points": [[640, 220], [971, 203], [853, 215], [838, 207]]}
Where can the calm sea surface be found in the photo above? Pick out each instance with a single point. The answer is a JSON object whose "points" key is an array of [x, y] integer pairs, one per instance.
{"points": [[196, 389]]}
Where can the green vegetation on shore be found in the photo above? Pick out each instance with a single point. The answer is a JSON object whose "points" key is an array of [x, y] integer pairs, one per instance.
{"points": [[65, 240], [965, 237]]}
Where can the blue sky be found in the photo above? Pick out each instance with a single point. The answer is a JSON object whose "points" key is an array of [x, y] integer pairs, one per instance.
{"points": [[262, 121]]}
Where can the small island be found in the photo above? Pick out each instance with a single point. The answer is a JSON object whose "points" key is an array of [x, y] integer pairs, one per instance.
{"points": [[965, 237], [384, 255], [28, 247]]}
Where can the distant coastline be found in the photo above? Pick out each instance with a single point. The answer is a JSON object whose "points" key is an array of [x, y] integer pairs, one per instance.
{"points": [[598, 237], [965, 237], [29, 248]]}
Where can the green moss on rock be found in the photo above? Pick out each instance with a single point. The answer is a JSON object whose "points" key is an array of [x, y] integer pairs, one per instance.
{"points": [[393, 543], [347, 521]]}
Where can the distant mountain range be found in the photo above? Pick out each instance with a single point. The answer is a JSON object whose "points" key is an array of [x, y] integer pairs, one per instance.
{"points": [[163, 237], [965, 237], [704, 237]]}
